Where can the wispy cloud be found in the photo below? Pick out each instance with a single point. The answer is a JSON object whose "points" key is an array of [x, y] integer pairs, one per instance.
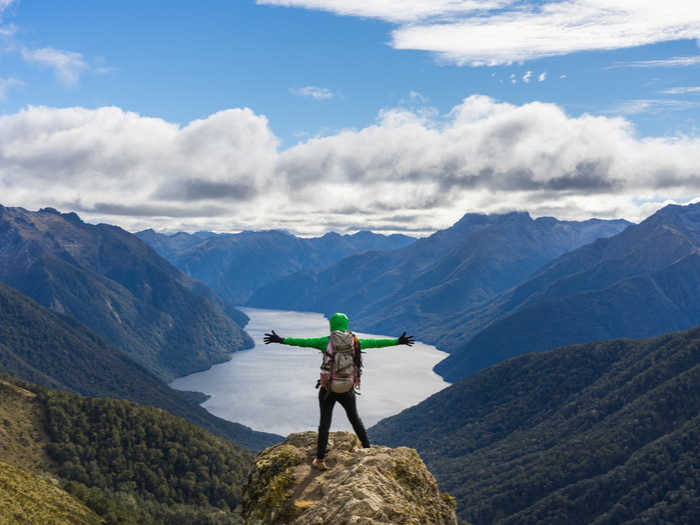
{"points": [[527, 76], [9, 29], [67, 65], [315, 92], [664, 62], [682, 90], [651, 106], [469, 32], [542, 77], [8, 83]]}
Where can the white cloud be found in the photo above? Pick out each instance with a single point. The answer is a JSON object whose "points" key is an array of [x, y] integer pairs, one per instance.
{"points": [[67, 65], [8, 83], [651, 106], [527, 76], [682, 90], [542, 77], [317, 93], [665, 62], [501, 32], [407, 171]]}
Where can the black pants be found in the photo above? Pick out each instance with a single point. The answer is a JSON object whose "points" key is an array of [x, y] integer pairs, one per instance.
{"points": [[326, 402]]}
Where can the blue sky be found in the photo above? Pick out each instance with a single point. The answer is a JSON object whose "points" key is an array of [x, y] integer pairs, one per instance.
{"points": [[325, 82]]}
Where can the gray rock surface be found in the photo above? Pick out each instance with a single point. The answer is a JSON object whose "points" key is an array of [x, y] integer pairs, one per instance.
{"points": [[379, 485]]}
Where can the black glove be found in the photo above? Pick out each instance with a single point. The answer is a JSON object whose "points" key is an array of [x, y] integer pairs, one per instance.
{"points": [[273, 338], [406, 339]]}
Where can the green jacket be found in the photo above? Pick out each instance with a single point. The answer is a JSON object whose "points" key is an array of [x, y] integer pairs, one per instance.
{"points": [[337, 322], [322, 342]]}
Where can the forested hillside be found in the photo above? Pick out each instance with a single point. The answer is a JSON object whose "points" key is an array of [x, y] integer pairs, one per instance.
{"points": [[603, 433], [127, 462], [56, 351]]}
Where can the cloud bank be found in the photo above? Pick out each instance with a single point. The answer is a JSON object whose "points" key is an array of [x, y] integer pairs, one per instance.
{"points": [[412, 170], [469, 32]]}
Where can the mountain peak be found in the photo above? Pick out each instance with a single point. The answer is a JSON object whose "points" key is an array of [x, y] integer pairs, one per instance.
{"points": [[378, 485]]}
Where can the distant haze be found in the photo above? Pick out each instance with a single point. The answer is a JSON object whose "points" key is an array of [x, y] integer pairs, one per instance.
{"points": [[271, 387]]}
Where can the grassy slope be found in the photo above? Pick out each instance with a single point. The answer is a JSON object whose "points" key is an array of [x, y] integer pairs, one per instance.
{"points": [[27, 498]]}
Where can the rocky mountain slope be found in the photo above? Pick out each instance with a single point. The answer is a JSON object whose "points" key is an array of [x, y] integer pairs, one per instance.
{"points": [[57, 351], [640, 283], [235, 265], [604, 433], [377, 485], [415, 287], [119, 287]]}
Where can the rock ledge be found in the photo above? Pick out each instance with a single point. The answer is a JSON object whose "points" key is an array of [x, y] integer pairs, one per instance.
{"points": [[379, 485]]}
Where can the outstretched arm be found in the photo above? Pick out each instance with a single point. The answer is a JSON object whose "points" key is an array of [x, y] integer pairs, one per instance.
{"points": [[313, 342], [403, 339]]}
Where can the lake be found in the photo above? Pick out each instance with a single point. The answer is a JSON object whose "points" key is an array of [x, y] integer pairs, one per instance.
{"points": [[271, 387]]}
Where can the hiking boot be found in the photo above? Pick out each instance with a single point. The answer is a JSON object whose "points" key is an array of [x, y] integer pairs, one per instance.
{"points": [[319, 464]]}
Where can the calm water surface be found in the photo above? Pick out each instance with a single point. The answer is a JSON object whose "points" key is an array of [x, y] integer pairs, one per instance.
{"points": [[271, 387]]}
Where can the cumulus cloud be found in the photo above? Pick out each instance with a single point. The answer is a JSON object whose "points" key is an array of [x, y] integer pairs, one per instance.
{"points": [[315, 92], [501, 32], [409, 171], [67, 65]]}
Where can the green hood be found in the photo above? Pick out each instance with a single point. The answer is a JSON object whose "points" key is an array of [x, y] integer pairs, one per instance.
{"points": [[339, 322]]}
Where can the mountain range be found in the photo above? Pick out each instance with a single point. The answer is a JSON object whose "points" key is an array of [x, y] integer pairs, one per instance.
{"points": [[641, 282], [118, 286], [235, 265], [604, 433], [419, 287]]}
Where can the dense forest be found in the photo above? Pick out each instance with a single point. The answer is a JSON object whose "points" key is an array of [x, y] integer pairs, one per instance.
{"points": [[603, 433], [136, 464]]}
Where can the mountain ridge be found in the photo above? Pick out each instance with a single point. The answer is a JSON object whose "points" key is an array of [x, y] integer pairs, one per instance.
{"points": [[234, 265], [639, 283], [119, 287]]}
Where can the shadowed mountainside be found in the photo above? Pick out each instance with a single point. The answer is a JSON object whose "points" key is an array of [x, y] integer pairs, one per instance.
{"points": [[56, 351], [604, 433], [640, 283], [119, 287]]}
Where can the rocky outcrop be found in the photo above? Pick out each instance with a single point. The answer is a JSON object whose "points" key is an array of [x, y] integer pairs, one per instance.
{"points": [[379, 485]]}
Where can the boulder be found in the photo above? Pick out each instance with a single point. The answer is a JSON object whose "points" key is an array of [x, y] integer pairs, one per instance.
{"points": [[378, 485]]}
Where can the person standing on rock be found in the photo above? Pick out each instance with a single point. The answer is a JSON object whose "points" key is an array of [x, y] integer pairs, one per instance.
{"points": [[340, 374]]}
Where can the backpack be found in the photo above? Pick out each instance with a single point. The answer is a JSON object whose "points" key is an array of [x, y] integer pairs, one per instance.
{"points": [[342, 363]]}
